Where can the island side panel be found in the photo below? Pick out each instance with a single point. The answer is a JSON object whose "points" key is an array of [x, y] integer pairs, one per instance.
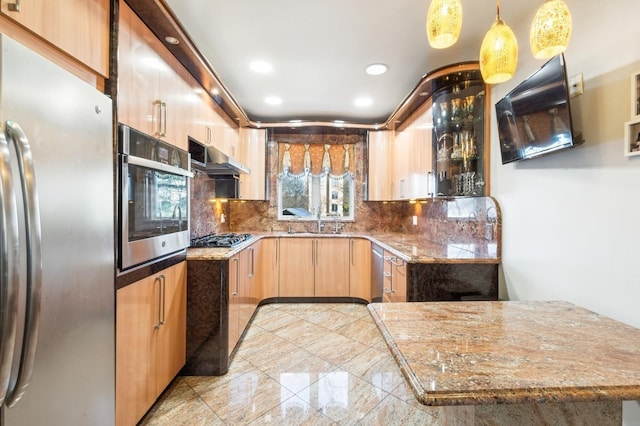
{"points": [[207, 318], [441, 282]]}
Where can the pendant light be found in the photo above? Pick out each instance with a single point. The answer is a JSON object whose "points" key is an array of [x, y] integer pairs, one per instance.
{"points": [[550, 30], [444, 21], [499, 52]]}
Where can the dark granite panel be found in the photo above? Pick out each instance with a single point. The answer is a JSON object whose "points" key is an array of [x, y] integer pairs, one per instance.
{"points": [[451, 281], [207, 318], [143, 272]]}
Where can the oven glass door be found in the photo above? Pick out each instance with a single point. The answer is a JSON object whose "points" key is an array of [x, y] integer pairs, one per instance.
{"points": [[157, 202]]}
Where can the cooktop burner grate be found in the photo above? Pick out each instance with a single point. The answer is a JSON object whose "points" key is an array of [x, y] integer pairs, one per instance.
{"points": [[220, 240]]}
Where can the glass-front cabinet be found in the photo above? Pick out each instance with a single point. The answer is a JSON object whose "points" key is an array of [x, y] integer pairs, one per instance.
{"points": [[459, 134], [440, 143]]}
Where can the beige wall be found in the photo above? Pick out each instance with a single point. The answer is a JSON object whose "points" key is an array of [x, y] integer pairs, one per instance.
{"points": [[570, 220]]}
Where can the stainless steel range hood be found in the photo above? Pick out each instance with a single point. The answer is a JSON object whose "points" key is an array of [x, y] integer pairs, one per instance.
{"points": [[213, 161]]}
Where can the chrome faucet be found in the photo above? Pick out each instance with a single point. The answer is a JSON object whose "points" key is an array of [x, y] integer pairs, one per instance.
{"points": [[320, 224], [337, 226]]}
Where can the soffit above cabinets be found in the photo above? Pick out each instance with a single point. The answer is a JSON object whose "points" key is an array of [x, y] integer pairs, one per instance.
{"points": [[318, 51]]}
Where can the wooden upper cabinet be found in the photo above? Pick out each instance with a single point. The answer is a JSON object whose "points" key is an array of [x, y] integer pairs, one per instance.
{"points": [[413, 156], [156, 94], [80, 28], [379, 178], [252, 151]]}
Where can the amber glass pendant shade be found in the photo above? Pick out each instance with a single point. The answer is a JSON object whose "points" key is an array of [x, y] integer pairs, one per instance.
{"points": [[550, 30], [444, 21], [498, 53]]}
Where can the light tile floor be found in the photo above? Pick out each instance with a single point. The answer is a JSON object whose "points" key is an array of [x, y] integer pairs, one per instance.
{"points": [[302, 364]]}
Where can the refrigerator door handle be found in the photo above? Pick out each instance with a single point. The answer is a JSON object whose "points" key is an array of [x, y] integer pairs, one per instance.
{"points": [[9, 257], [33, 236]]}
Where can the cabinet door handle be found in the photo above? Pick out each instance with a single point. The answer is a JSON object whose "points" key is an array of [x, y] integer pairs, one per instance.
{"points": [[252, 273], [159, 280], [163, 107], [161, 130], [164, 299], [351, 252], [235, 293], [14, 7], [157, 114], [237, 276]]}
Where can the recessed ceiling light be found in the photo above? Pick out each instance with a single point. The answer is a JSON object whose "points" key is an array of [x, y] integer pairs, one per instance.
{"points": [[215, 91], [273, 100], [363, 102], [261, 67], [376, 69], [171, 40]]}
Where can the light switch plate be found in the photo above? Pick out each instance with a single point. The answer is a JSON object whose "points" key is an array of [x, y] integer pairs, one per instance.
{"points": [[415, 220], [576, 87]]}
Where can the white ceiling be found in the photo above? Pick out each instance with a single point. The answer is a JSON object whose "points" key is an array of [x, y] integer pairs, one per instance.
{"points": [[319, 50]]}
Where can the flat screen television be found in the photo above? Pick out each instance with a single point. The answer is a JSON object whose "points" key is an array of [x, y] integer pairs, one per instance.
{"points": [[534, 119]]}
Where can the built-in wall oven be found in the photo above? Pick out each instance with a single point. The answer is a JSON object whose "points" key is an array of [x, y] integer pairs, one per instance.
{"points": [[153, 199]]}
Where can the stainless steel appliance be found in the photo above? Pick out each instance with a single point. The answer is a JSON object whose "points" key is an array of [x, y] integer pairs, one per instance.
{"points": [[377, 273], [213, 161], [223, 169], [220, 240], [56, 245], [154, 198]]}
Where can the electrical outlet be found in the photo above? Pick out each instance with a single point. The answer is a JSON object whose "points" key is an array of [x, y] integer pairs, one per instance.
{"points": [[576, 86], [415, 220]]}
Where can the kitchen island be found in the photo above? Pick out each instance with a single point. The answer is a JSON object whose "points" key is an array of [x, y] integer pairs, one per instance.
{"points": [[515, 362]]}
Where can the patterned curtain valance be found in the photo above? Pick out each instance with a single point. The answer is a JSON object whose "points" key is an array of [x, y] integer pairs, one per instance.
{"points": [[316, 159]]}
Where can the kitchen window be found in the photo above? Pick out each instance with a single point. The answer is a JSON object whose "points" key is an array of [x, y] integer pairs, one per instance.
{"points": [[316, 180]]}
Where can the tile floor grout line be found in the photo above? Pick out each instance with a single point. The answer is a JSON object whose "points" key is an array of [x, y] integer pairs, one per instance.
{"points": [[357, 380]]}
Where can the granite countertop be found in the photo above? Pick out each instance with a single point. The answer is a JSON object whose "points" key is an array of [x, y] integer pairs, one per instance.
{"points": [[474, 353], [411, 248]]}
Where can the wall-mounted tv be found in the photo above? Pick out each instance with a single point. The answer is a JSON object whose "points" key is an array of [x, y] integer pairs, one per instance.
{"points": [[534, 119]]}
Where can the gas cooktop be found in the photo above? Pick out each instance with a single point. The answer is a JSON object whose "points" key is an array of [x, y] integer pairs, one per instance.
{"points": [[220, 240]]}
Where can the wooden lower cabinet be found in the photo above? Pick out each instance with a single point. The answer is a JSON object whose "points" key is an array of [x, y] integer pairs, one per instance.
{"points": [[244, 292], [267, 264], [234, 302], [331, 267], [314, 267], [150, 340], [360, 268], [296, 272], [395, 278], [399, 279]]}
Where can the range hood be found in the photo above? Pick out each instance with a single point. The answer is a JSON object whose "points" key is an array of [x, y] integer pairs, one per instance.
{"points": [[213, 161]]}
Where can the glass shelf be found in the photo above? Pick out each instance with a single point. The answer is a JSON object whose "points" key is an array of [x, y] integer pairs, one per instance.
{"points": [[459, 109]]}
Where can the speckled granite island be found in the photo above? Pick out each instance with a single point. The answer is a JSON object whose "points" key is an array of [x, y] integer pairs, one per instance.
{"points": [[515, 362]]}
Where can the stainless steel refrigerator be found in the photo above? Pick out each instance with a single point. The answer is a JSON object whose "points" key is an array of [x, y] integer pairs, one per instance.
{"points": [[56, 245]]}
